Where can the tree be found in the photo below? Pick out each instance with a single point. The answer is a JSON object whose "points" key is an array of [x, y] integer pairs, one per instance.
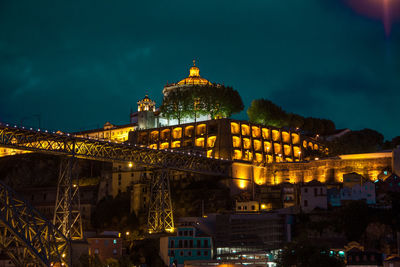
{"points": [[265, 112], [363, 141], [176, 105], [215, 101]]}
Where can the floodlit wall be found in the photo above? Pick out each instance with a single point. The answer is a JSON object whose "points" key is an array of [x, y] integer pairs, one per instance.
{"points": [[328, 170]]}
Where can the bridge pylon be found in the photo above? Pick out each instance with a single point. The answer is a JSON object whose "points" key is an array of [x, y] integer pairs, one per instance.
{"points": [[160, 216], [67, 215]]}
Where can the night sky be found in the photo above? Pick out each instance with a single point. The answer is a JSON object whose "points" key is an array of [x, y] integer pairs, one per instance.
{"points": [[78, 64]]}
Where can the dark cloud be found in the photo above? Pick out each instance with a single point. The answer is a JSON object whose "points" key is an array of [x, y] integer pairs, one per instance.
{"points": [[81, 64]]}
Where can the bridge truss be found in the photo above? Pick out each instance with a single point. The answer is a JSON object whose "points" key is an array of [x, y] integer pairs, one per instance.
{"points": [[26, 236], [66, 217]]}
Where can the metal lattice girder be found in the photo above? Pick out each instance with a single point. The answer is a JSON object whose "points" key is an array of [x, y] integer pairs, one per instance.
{"points": [[160, 216], [63, 144], [67, 215], [26, 236]]}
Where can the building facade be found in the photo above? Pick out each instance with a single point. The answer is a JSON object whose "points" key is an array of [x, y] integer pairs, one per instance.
{"points": [[313, 195], [189, 244]]}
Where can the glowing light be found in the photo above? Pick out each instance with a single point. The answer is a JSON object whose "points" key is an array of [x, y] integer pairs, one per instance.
{"points": [[377, 9], [130, 164]]}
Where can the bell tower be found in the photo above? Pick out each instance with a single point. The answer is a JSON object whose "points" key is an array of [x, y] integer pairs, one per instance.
{"points": [[146, 109]]}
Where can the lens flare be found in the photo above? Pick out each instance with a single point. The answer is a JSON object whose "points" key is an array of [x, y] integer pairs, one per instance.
{"points": [[385, 10]]}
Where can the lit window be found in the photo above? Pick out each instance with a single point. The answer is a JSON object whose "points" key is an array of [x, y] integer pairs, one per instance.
{"points": [[200, 142], [236, 141], [234, 128]]}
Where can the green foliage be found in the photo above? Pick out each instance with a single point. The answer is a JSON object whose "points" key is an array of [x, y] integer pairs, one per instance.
{"points": [[362, 141], [216, 101], [303, 254], [264, 111]]}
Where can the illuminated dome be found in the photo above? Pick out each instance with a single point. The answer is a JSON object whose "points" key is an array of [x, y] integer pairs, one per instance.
{"points": [[194, 77]]}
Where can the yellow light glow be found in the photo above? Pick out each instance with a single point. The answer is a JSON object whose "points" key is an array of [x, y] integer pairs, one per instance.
{"points": [[275, 135], [209, 153], [259, 157], [164, 145], [127, 233], [287, 150], [153, 146], [235, 129], [177, 133], [255, 130], [245, 129], [242, 184], [277, 148], [295, 139], [176, 144], [237, 154], [201, 129], [236, 141], [130, 164], [211, 141], [200, 142], [286, 137], [265, 133], [257, 145], [246, 143], [189, 131]]}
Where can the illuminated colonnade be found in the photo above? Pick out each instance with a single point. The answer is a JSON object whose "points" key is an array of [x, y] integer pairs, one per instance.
{"points": [[369, 165]]}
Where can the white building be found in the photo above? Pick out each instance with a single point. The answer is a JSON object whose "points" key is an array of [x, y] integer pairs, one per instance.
{"points": [[313, 195]]}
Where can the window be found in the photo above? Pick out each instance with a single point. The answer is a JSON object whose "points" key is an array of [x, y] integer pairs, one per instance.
{"points": [[198, 253], [206, 243], [305, 203], [96, 241], [180, 243], [205, 252], [189, 253], [245, 207], [253, 207], [115, 251], [185, 243], [172, 243], [198, 243], [239, 207], [185, 233], [190, 233], [180, 233], [315, 191], [181, 253], [106, 243], [305, 190], [190, 243], [96, 251]]}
